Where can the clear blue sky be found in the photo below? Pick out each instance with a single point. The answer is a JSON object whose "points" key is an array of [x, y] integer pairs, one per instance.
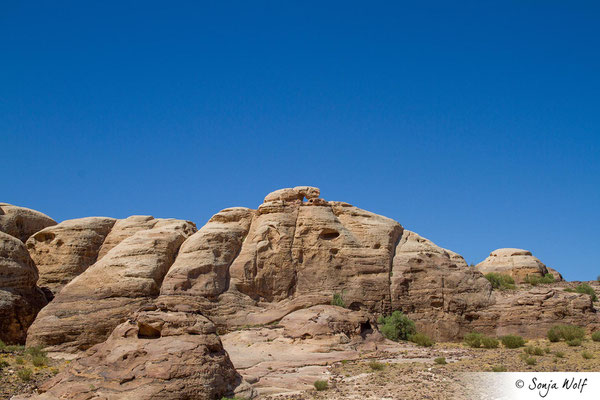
{"points": [[475, 124]]}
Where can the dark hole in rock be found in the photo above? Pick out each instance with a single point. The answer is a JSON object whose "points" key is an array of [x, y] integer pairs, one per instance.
{"points": [[377, 245], [338, 267], [356, 306], [329, 234], [44, 236], [47, 293], [333, 251], [365, 328], [147, 332]]}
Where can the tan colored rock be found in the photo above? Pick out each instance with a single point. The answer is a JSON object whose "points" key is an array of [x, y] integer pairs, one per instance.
{"points": [[22, 222], [62, 252], [530, 313], [130, 275], [557, 276], [20, 298], [438, 293], [202, 265], [517, 263], [154, 355], [125, 228], [456, 258], [325, 320]]}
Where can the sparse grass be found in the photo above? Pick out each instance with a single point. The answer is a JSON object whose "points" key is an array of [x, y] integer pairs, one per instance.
{"points": [[20, 360], [584, 288], [500, 281], [376, 366], [440, 361], [338, 300], [587, 355], [396, 326], [547, 350], [535, 280], [499, 368], [574, 342], [321, 385], [421, 339], [534, 351], [566, 332], [25, 374], [596, 336], [512, 341], [35, 351], [530, 361], [39, 361], [3, 364], [559, 354], [14, 348], [2, 345]]}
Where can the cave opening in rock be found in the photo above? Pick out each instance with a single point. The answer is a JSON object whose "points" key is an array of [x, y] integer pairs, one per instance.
{"points": [[147, 332]]}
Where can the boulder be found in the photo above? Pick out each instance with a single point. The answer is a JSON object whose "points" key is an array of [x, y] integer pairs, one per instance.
{"points": [[20, 298], [22, 222], [517, 263], [153, 355], [62, 252], [125, 228], [557, 276], [324, 320], [437, 290], [129, 276]]}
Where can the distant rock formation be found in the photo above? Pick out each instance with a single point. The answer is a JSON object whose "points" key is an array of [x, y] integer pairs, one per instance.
{"points": [[22, 222], [517, 263]]}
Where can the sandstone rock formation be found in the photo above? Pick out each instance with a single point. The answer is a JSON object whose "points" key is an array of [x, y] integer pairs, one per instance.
{"points": [[22, 222], [517, 263], [324, 320], [532, 312], [154, 355], [20, 298], [440, 294], [87, 309], [62, 252], [557, 276]]}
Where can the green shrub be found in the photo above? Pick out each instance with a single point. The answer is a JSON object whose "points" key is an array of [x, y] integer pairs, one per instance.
{"points": [[473, 339], [39, 361], [421, 339], [559, 354], [535, 280], [500, 281], [596, 336], [512, 341], [547, 350], [440, 360], [489, 342], [19, 360], [376, 366], [338, 301], [396, 326], [25, 374], [583, 288], [499, 368], [3, 364], [2, 346], [13, 348], [566, 332], [587, 355], [321, 385], [535, 351], [35, 351], [530, 361], [574, 342]]}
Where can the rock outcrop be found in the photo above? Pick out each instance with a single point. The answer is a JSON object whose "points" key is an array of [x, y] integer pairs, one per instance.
{"points": [[517, 263], [20, 298], [129, 276], [62, 252], [22, 222], [436, 288], [154, 355], [324, 320]]}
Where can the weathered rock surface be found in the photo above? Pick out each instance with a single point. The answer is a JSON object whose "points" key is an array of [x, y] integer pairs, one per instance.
{"points": [[154, 355], [62, 252], [20, 298], [125, 228], [324, 320], [22, 222], [437, 292], [517, 263], [530, 313], [130, 275], [557, 276]]}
